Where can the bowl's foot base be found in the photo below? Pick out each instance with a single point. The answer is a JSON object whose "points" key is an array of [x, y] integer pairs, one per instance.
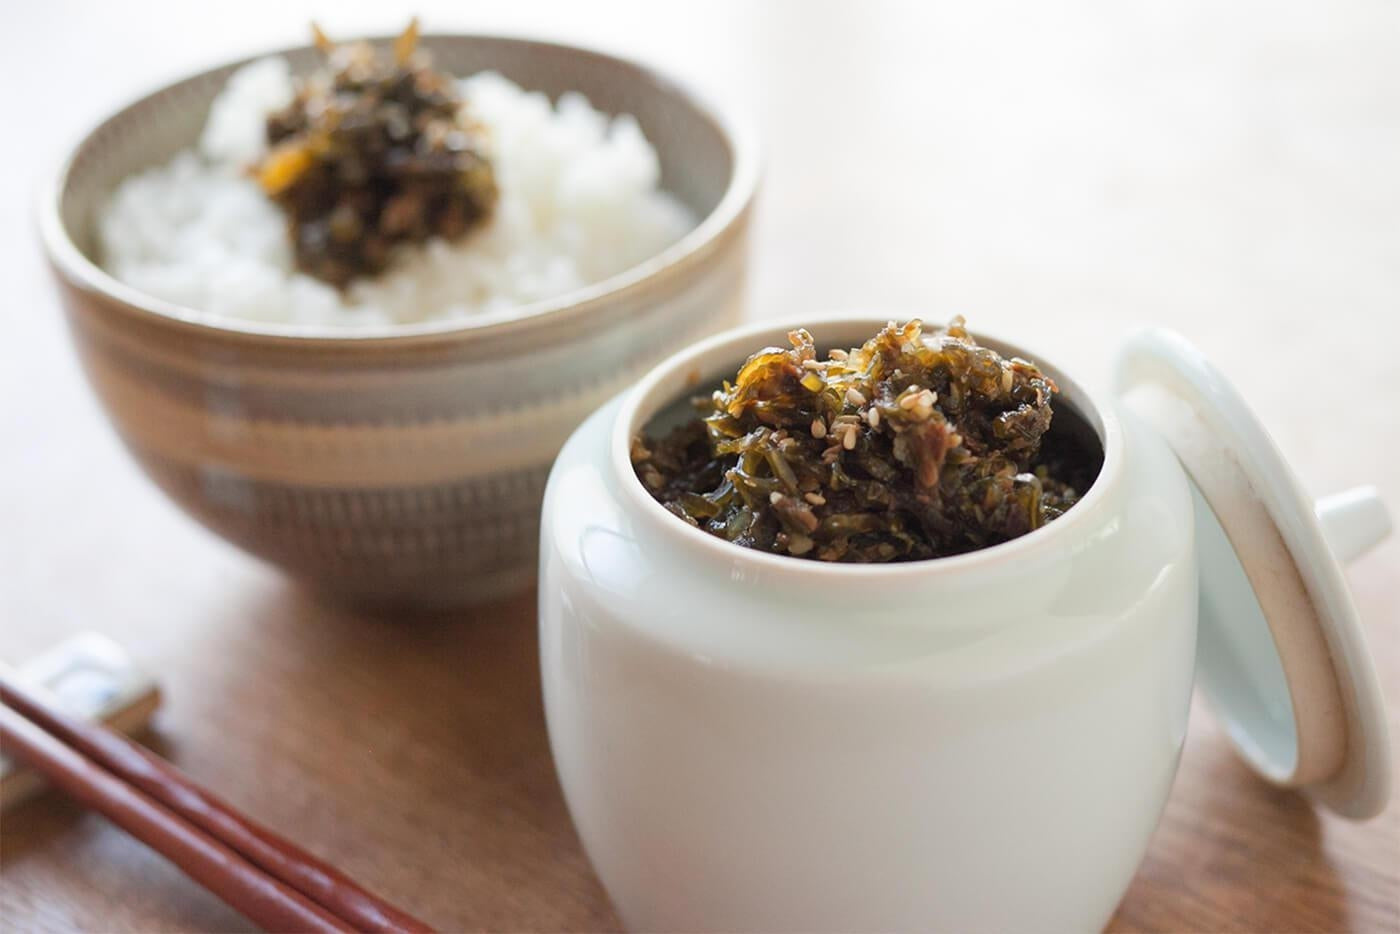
{"points": [[426, 599]]}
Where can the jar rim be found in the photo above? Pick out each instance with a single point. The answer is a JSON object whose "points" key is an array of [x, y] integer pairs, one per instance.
{"points": [[709, 359]]}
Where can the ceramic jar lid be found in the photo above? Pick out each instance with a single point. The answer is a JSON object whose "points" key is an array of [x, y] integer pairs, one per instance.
{"points": [[1281, 654]]}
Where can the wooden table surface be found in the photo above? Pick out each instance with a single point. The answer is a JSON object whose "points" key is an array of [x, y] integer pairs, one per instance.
{"points": [[1231, 170]]}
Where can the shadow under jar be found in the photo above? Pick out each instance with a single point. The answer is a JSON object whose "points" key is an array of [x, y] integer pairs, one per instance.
{"points": [[751, 741], [403, 465]]}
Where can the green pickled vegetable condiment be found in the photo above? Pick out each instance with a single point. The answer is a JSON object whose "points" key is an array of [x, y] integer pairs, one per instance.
{"points": [[373, 154], [911, 446]]}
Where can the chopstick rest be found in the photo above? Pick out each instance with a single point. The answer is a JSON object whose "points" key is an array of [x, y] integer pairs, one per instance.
{"points": [[88, 676]]}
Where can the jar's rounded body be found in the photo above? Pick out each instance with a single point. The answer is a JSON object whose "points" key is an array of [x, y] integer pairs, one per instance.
{"points": [[987, 750]]}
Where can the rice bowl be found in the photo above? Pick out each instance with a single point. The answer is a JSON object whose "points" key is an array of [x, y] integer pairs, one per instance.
{"points": [[401, 463]]}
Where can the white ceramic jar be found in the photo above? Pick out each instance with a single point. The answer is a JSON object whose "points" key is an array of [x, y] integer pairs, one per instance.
{"points": [[985, 742]]}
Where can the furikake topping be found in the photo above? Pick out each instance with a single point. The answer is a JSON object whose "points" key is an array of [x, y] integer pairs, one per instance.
{"points": [[911, 446], [373, 153]]}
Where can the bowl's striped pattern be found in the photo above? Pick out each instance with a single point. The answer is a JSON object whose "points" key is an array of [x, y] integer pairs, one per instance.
{"points": [[403, 467]]}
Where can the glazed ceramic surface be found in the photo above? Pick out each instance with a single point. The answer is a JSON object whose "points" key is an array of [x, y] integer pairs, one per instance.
{"points": [[755, 742], [404, 465]]}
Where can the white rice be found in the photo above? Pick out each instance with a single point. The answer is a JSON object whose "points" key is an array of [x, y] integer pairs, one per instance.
{"points": [[579, 202]]}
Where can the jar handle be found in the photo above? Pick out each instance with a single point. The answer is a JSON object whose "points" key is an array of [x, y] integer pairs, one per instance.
{"points": [[1353, 521]]}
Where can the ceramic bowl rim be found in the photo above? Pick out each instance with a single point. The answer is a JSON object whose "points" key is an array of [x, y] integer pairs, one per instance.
{"points": [[690, 251], [1037, 543]]}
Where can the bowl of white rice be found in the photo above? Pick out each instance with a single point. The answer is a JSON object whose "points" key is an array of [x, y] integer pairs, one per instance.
{"points": [[387, 440]]}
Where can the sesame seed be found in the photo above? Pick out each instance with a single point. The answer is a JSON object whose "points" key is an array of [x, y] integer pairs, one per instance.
{"points": [[818, 429], [854, 397], [849, 442], [1006, 380], [816, 499], [775, 497], [874, 418], [908, 400]]}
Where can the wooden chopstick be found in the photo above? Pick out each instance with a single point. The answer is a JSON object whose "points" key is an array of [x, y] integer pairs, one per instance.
{"points": [[173, 793], [267, 902]]}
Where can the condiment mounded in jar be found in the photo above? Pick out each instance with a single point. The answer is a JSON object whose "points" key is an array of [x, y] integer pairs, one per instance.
{"points": [[751, 741]]}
